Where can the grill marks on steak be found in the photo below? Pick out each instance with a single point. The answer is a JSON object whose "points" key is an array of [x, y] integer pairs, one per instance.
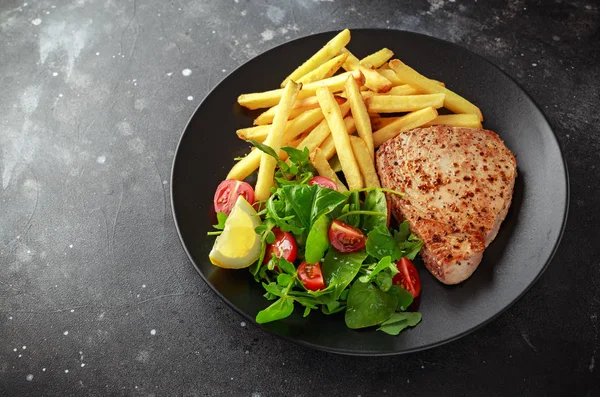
{"points": [[458, 184]]}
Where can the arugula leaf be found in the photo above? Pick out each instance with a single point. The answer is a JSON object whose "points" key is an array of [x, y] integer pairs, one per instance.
{"points": [[354, 201], [318, 240], [399, 321], [265, 149], [384, 281], [383, 264], [285, 265], [368, 306], [284, 280], [380, 244], [405, 298], [408, 243], [273, 288], [221, 218], [310, 202], [276, 211], [376, 202], [282, 308], [340, 269]]}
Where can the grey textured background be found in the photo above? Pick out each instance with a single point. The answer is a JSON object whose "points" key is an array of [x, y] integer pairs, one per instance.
{"points": [[96, 294]]}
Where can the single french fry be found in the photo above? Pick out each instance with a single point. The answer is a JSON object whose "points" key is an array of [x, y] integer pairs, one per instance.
{"points": [[403, 103], [335, 164], [316, 137], [324, 71], [403, 89], [452, 100], [324, 169], [266, 171], [404, 123], [302, 123], [373, 79], [352, 63], [246, 166], [329, 50], [381, 122], [360, 115], [456, 120], [365, 162], [391, 76], [377, 59], [258, 133], [266, 99], [328, 146], [333, 115]]}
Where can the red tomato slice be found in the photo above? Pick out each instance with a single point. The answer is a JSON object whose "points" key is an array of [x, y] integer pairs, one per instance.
{"points": [[284, 246], [311, 276], [346, 238], [323, 182], [408, 277], [228, 192]]}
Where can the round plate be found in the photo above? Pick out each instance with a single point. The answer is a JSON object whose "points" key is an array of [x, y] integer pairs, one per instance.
{"points": [[525, 244]]}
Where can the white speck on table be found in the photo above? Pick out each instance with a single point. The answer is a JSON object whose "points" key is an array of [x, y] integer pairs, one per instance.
{"points": [[36, 21], [153, 332], [29, 377], [186, 72], [190, 98]]}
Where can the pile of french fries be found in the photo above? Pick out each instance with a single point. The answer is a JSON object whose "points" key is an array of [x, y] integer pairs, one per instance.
{"points": [[376, 97]]}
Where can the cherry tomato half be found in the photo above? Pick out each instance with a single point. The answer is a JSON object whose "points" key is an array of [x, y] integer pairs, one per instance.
{"points": [[283, 246], [228, 192], [346, 238], [311, 276], [408, 277], [323, 182]]}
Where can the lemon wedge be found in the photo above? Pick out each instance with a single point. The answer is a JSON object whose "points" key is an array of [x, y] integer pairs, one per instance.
{"points": [[238, 246]]}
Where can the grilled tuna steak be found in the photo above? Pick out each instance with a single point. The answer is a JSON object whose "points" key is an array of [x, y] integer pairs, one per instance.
{"points": [[458, 184]]}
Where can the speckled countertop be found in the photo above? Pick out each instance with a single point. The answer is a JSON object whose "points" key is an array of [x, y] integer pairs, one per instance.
{"points": [[97, 297]]}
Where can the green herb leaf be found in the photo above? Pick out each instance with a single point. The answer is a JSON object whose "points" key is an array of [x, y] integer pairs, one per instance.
{"points": [[368, 306], [266, 149], [405, 298], [286, 266], [384, 263], [306, 311], [283, 280], [376, 202], [380, 244], [221, 218], [399, 321], [317, 241], [273, 288], [340, 269], [310, 202], [408, 243], [282, 308], [384, 281], [354, 201]]}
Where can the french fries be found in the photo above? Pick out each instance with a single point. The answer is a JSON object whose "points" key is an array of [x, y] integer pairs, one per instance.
{"points": [[360, 115], [403, 89], [324, 71], [403, 103], [266, 99], [377, 59], [365, 162], [328, 147], [452, 101], [305, 114], [275, 138], [333, 115], [324, 169], [404, 123], [329, 50], [456, 120], [320, 133], [373, 80]]}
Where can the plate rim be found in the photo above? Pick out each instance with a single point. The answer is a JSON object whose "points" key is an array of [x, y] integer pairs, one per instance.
{"points": [[367, 353]]}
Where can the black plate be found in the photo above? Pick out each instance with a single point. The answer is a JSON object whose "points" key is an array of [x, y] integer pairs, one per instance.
{"points": [[525, 245]]}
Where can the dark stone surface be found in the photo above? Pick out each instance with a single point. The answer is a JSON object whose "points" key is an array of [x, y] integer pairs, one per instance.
{"points": [[96, 294]]}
